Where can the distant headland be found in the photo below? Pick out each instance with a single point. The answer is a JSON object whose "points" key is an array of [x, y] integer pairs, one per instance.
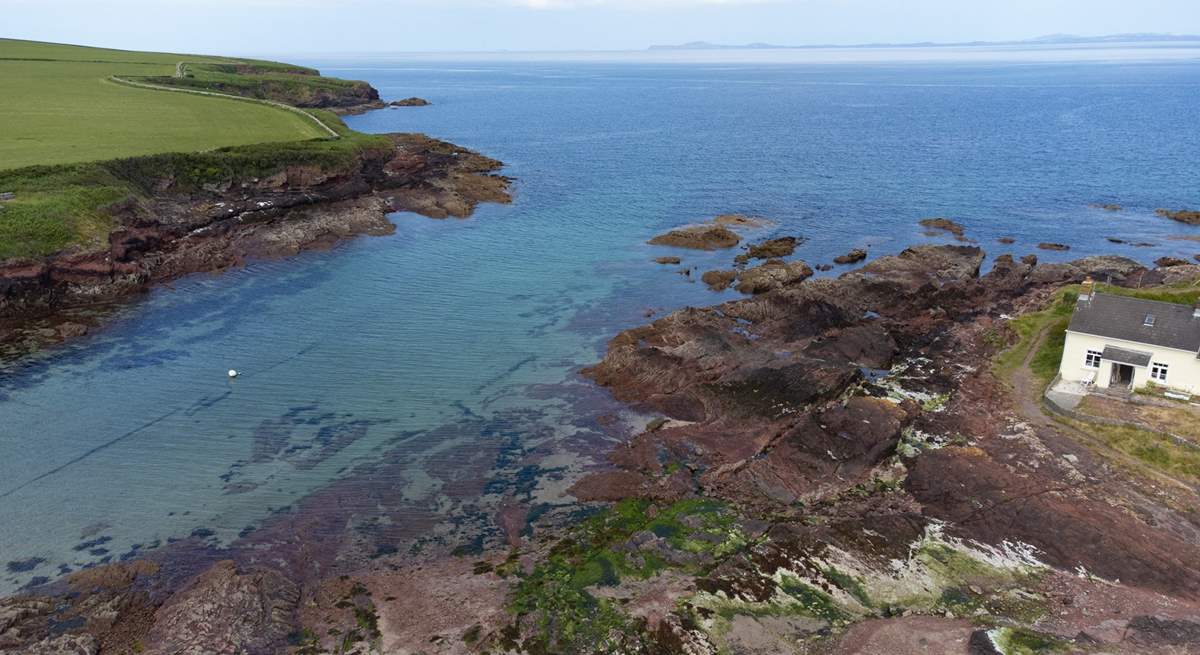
{"points": [[1050, 39]]}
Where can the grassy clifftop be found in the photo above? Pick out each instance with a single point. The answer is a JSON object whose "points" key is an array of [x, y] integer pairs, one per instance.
{"points": [[293, 85], [57, 207], [60, 106], [75, 142]]}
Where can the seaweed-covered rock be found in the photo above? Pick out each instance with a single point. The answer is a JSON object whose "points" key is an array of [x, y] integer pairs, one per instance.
{"points": [[718, 280], [769, 249]]}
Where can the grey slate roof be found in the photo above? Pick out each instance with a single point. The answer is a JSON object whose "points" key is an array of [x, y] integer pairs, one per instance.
{"points": [[1123, 356], [1118, 317]]}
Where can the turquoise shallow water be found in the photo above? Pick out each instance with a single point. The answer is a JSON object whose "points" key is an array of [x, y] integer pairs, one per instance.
{"points": [[458, 337]]}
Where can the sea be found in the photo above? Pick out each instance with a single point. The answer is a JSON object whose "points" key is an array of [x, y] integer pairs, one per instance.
{"points": [[396, 393]]}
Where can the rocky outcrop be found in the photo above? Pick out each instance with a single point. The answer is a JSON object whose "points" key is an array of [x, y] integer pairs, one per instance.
{"points": [[176, 232], [224, 611], [772, 275], [867, 401]]}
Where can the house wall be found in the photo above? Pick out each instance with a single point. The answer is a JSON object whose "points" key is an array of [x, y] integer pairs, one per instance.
{"points": [[1184, 367]]}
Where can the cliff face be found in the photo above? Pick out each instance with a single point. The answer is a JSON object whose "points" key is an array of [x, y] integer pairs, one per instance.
{"points": [[173, 232]]}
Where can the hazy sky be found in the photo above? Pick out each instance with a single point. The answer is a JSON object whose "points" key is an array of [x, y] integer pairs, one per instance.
{"points": [[321, 26]]}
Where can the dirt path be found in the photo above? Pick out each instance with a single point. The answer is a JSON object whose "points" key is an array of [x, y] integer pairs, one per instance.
{"points": [[1026, 389]]}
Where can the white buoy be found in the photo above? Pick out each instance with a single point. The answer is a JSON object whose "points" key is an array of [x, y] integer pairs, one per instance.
{"points": [[233, 373]]}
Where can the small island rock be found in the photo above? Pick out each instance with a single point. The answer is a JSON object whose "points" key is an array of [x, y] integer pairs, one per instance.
{"points": [[698, 237], [853, 257], [410, 102]]}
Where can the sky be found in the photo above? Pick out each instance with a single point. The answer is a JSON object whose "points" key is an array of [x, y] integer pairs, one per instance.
{"points": [[249, 27]]}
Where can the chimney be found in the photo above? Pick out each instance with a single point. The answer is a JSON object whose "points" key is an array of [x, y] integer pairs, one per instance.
{"points": [[1089, 289]]}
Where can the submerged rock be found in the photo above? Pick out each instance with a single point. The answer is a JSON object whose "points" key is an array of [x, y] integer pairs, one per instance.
{"points": [[1054, 246], [945, 225], [739, 220], [1191, 217]]}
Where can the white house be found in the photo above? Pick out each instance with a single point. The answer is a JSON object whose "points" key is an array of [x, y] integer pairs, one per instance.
{"points": [[1127, 343]]}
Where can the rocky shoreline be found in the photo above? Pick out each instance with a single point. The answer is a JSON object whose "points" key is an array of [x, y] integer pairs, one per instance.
{"points": [[173, 233], [836, 469]]}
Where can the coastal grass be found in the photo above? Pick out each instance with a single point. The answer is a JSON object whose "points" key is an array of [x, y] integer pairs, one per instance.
{"points": [[1029, 327], [56, 207], [1178, 418], [1155, 450], [59, 106], [1183, 293]]}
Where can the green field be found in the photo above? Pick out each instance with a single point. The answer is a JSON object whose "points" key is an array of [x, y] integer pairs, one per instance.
{"points": [[59, 106], [74, 142]]}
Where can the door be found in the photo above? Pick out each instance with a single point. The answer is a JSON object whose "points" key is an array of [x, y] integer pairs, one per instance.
{"points": [[1122, 375]]}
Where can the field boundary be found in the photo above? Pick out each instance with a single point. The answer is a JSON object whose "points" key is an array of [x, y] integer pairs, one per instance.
{"points": [[270, 103]]}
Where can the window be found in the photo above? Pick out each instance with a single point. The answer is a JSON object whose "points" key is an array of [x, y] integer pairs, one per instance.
{"points": [[1149, 322], [1093, 359], [1158, 372]]}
